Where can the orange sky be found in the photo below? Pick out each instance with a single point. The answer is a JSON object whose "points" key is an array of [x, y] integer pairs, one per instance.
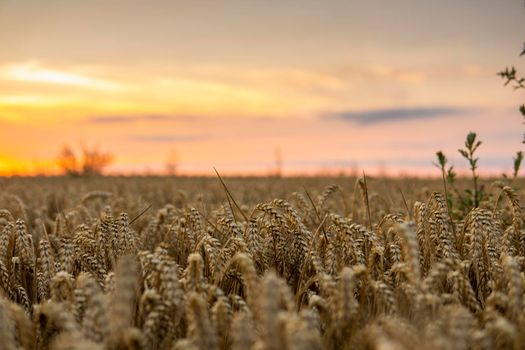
{"points": [[334, 85]]}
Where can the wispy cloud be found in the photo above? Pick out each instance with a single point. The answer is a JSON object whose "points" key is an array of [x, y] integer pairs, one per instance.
{"points": [[377, 116], [125, 119], [167, 138], [33, 72]]}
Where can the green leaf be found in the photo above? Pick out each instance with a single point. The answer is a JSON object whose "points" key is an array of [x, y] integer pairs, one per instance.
{"points": [[508, 74], [477, 145], [471, 138], [451, 175], [442, 159], [517, 163]]}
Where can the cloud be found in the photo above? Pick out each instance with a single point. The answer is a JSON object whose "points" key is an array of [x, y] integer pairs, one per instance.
{"points": [[167, 138], [378, 116], [33, 72], [125, 119]]}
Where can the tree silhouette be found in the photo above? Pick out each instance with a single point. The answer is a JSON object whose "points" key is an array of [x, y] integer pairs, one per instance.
{"points": [[92, 162], [67, 161]]}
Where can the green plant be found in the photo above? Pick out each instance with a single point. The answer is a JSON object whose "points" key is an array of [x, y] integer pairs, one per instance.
{"points": [[471, 145], [517, 164], [447, 175], [471, 198]]}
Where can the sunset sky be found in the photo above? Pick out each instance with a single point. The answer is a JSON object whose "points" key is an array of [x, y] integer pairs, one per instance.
{"points": [[330, 85]]}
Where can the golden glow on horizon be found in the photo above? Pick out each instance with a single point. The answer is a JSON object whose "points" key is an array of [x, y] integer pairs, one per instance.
{"points": [[329, 83], [50, 105], [47, 119], [11, 166]]}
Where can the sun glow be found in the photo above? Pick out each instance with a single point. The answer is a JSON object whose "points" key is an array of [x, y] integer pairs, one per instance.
{"points": [[11, 166]]}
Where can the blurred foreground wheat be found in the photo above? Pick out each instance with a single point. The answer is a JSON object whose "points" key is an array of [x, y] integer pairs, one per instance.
{"points": [[303, 272]]}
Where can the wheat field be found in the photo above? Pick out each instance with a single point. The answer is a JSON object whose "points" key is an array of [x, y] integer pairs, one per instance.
{"points": [[258, 263]]}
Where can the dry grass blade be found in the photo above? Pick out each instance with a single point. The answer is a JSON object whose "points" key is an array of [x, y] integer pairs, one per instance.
{"points": [[229, 195], [316, 211], [367, 202], [409, 213], [140, 214]]}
